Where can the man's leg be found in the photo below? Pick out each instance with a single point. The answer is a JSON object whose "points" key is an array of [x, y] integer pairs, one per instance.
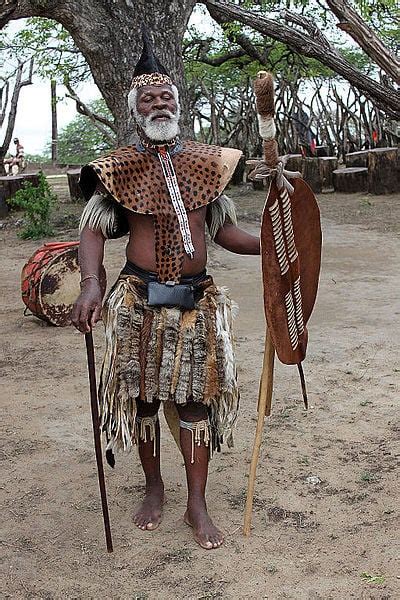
{"points": [[194, 415], [148, 514]]}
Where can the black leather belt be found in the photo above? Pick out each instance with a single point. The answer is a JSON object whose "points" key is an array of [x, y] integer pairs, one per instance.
{"points": [[183, 294]]}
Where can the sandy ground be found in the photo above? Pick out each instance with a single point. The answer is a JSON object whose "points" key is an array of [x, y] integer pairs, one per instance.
{"points": [[335, 539]]}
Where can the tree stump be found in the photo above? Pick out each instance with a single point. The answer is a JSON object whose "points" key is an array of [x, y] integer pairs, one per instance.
{"points": [[321, 151], [3, 204], [350, 180], [383, 170], [312, 173], [357, 159], [327, 165], [239, 176], [258, 185], [294, 162], [12, 183], [75, 191]]}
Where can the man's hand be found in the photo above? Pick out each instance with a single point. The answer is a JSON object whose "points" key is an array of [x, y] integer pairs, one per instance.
{"points": [[87, 308]]}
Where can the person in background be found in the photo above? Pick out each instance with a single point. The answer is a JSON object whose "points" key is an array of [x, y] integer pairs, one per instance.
{"points": [[15, 163]]}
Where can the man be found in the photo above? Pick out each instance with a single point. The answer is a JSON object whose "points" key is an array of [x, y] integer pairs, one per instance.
{"points": [[14, 164], [168, 327]]}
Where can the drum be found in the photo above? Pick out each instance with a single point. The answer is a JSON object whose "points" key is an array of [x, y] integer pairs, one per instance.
{"points": [[50, 282]]}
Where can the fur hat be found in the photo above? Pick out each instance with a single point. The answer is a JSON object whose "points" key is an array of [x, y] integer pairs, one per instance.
{"points": [[149, 70]]}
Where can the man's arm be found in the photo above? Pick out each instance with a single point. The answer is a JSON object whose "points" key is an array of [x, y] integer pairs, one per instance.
{"points": [[87, 308], [236, 240]]}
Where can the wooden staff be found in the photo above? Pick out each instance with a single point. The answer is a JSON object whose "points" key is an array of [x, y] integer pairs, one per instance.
{"points": [[264, 409], [264, 92], [96, 434]]}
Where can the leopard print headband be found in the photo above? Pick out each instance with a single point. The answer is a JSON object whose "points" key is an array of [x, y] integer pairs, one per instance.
{"points": [[150, 79]]}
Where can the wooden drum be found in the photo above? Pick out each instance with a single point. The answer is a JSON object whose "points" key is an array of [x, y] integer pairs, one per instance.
{"points": [[50, 282]]}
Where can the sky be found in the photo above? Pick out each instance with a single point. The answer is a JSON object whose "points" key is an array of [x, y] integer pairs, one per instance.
{"points": [[33, 122]]}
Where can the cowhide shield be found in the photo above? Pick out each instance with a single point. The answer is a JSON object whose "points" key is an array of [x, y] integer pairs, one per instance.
{"points": [[291, 257]]}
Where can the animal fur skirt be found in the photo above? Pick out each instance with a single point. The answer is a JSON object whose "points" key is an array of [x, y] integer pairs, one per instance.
{"points": [[168, 354]]}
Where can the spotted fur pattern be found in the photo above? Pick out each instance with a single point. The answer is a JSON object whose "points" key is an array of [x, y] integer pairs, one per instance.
{"points": [[136, 181]]}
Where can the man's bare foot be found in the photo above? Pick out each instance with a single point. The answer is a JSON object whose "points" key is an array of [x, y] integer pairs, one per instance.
{"points": [[148, 515], [204, 531]]}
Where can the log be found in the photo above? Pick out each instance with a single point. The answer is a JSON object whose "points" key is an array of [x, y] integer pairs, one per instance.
{"points": [[327, 165], [312, 173], [294, 162], [350, 180], [10, 184], [383, 170], [75, 191], [357, 159]]}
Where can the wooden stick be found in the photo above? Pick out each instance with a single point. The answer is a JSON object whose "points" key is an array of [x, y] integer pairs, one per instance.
{"points": [[96, 434], [264, 409]]}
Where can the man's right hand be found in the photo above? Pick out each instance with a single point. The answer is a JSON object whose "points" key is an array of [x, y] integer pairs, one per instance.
{"points": [[87, 308]]}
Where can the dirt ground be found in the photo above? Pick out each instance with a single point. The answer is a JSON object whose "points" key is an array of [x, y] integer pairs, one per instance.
{"points": [[334, 539]]}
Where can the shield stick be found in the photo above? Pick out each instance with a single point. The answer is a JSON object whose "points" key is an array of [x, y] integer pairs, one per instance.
{"points": [[264, 408], [96, 435]]}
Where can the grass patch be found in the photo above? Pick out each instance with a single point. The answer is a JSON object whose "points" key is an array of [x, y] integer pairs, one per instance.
{"points": [[368, 578]]}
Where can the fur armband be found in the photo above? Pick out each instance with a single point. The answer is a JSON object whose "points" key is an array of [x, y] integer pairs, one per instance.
{"points": [[102, 212], [221, 210]]}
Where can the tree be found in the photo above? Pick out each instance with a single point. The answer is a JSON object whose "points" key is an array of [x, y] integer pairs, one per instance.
{"points": [[307, 39], [107, 35], [21, 77], [81, 141]]}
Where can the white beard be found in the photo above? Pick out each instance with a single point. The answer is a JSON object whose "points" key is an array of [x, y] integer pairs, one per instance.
{"points": [[159, 131]]}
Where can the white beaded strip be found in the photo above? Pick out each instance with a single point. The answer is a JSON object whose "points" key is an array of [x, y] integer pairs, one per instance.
{"points": [[293, 335], [278, 237], [177, 202], [298, 306], [288, 225], [293, 302]]}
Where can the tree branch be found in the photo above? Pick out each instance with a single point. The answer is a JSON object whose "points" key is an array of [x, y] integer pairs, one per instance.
{"points": [[100, 122], [19, 84], [216, 61], [358, 29], [385, 97], [4, 92]]}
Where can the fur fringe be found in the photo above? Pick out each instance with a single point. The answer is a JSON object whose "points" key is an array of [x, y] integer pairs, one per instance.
{"points": [[102, 212], [221, 210], [184, 360]]}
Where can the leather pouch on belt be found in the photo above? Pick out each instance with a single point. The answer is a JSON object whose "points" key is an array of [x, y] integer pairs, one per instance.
{"points": [[162, 294]]}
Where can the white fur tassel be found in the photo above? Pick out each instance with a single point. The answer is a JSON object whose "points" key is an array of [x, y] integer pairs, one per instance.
{"points": [[100, 213], [221, 209], [266, 127]]}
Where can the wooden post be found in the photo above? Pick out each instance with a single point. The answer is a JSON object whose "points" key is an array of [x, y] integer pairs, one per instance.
{"points": [[54, 134], [264, 409]]}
